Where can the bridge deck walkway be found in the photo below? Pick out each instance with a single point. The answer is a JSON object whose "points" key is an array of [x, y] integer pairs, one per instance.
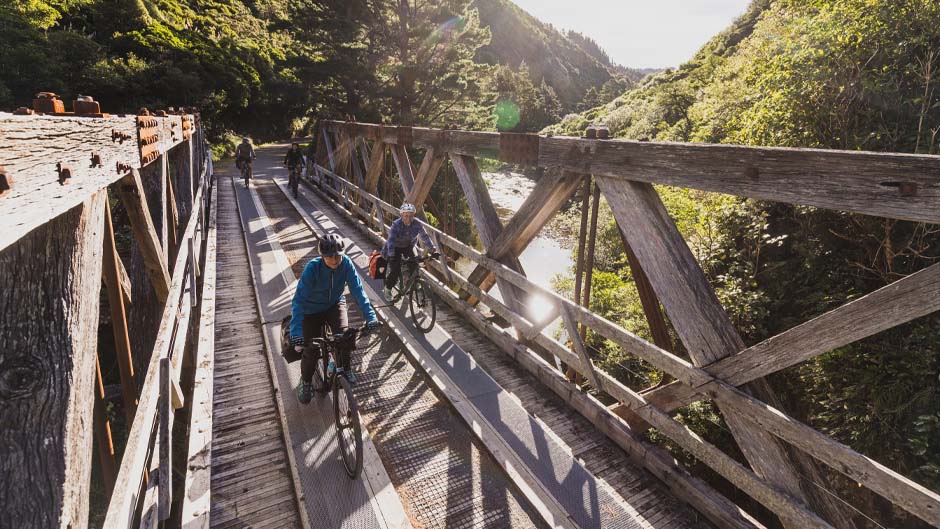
{"points": [[576, 467], [251, 477]]}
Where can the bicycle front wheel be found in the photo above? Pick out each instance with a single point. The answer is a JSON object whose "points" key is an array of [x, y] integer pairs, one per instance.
{"points": [[348, 429], [422, 307]]}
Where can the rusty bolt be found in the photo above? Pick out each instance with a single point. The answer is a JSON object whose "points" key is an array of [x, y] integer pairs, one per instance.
{"points": [[143, 112], [119, 136], [65, 173], [122, 167], [160, 113], [6, 181], [603, 133], [590, 133], [96, 160], [23, 111]]}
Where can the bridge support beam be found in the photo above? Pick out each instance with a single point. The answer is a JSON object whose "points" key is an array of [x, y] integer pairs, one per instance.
{"points": [[487, 223], [708, 333], [49, 293]]}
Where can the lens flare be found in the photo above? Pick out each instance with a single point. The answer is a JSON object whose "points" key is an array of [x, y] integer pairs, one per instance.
{"points": [[506, 114]]}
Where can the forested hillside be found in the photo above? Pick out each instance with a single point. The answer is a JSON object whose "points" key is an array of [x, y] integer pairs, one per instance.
{"points": [[270, 68], [571, 64], [844, 74]]}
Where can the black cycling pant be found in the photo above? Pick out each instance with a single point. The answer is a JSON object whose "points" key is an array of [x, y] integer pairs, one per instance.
{"points": [[394, 264], [336, 318]]}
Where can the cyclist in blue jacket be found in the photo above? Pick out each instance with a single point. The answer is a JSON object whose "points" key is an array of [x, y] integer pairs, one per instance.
{"points": [[402, 237], [319, 299]]}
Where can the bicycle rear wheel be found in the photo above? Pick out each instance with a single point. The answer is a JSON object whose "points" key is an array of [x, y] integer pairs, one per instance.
{"points": [[348, 429], [422, 307]]}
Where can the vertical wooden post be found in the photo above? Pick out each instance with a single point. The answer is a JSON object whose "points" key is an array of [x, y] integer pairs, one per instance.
{"points": [[589, 257], [172, 213], [49, 302], [122, 342]]}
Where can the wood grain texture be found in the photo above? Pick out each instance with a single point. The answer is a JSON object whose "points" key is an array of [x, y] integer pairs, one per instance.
{"points": [[404, 168], [376, 166], [487, 220], [133, 197], [904, 300], [124, 500], [861, 182], [427, 174], [548, 196], [197, 491], [706, 330], [49, 295], [31, 147], [122, 342]]}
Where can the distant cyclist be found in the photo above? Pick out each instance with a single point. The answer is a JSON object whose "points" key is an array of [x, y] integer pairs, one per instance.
{"points": [[402, 237], [244, 154], [294, 160], [319, 299]]}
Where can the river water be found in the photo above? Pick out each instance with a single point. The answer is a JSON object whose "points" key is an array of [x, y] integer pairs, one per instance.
{"points": [[545, 256]]}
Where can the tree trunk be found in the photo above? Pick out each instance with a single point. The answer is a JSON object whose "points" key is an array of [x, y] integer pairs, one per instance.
{"points": [[49, 301]]}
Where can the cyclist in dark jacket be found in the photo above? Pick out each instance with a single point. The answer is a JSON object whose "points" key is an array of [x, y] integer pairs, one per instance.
{"points": [[402, 237], [319, 300], [294, 157]]}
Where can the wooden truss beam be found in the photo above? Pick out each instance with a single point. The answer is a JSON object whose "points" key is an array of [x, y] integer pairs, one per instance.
{"points": [[705, 329], [487, 222], [548, 196], [899, 186], [131, 190]]}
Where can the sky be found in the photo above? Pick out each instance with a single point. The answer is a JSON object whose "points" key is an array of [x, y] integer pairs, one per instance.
{"points": [[641, 33]]}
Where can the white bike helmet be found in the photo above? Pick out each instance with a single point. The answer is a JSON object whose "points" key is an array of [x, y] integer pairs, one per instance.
{"points": [[408, 207]]}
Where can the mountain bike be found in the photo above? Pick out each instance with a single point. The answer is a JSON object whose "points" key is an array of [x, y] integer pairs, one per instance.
{"points": [[293, 181], [334, 356], [246, 171], [421, 304]]}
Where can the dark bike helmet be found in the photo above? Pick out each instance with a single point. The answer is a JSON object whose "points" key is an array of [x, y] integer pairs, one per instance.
{"points": [[331, 245]]}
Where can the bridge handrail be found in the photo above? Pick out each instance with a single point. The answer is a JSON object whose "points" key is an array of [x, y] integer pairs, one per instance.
{"points": [[899, 186], [914, 498], [156, 401]]}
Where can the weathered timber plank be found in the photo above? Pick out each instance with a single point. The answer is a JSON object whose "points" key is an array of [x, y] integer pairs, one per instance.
{"points": [[124, 501], [376, 166], [587, 367], [484, 144], [427, 174], [197, 491], [904, 300], [549, 195], [704, 328], [49, 293], [901, 186], [487, 220], [30, 149], [404, 168], [132, 194]]}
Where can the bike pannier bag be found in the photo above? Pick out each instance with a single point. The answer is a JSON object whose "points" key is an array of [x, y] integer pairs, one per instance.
{"points": [[377, 265]]}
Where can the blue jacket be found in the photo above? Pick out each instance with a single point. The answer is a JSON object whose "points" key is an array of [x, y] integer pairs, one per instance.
{"points": [[402, 235], [321, 287]]}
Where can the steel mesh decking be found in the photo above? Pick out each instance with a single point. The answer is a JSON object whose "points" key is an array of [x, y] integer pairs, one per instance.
{"points": [[441, 474]]}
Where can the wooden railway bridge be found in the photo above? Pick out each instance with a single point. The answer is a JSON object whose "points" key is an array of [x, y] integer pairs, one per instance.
{"points": [[127, 257]]}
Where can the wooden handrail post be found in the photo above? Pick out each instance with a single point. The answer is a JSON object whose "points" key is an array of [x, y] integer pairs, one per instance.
{"points": [[132, 194]]}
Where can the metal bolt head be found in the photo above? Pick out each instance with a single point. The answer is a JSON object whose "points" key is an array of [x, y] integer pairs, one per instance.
{"points": [[603, 133], [590, 133], [65, 173], [96, 160], [23, 111]]}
